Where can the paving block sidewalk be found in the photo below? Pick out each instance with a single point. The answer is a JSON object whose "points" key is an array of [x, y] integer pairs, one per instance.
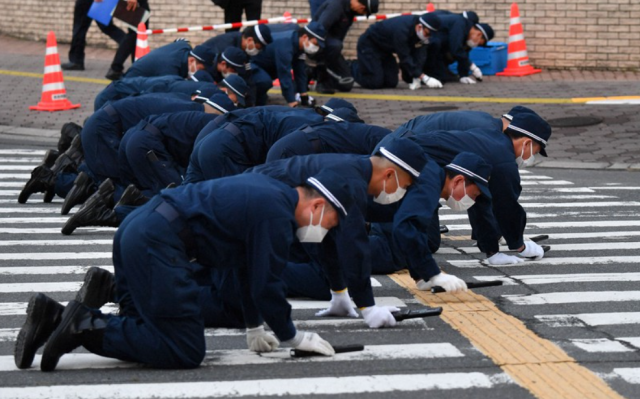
{"points": [[612, 144]]}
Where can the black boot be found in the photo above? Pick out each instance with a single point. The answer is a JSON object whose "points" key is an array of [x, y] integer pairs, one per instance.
{"points": [[43, 316], [79, 326], [97, 210], [132, 196], [67, 133], [98, 288], [42, 180], [83, 187], [71, 158], [49, 160]]}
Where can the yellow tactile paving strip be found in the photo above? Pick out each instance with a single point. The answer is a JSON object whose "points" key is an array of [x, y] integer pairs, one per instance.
{"points": [[536, 364]]}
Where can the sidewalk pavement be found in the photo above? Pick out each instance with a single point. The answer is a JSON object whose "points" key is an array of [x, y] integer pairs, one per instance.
{"points": [[613, 143]]}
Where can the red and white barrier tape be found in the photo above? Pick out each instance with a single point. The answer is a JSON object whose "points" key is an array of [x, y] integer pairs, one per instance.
{"points": [[269, 21]]}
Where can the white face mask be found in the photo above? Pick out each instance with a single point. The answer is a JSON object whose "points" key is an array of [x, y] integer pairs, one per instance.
{"points": [[421, 36], [385, 198], [471, 43], [310, 48], [522, 163], [312, 233], [465, 203], [252, 51], [227, 74], [192, 71]]}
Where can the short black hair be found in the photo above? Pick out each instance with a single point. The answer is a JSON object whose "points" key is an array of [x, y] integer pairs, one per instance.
{"points": [[250, 32], [451, 174], [513, 135], [303, 31]]}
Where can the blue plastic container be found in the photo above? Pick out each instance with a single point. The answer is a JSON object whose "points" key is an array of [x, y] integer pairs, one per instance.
{"points": [[491, 59]]}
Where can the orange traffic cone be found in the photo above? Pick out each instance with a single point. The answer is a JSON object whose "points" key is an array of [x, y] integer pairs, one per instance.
{"points": [[287, 17], [430, 7], [142, 45], [54, 95], [517, 57]]}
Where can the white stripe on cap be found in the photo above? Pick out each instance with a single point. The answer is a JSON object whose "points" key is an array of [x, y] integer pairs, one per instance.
{"points": [[508, 116], [229, 85], [335, 118], [212, 104], [528, 133], [317, 36], [224, 57], [423, 22], [313, 181], [196, 56], [387, 154], [466, 172], [257, 30], [327, 108], [483, 32]]}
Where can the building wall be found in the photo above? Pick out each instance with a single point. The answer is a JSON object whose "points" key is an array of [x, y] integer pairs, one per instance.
{"points": [[584, 34]]}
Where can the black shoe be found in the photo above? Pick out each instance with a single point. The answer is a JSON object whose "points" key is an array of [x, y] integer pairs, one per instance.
{"points": [[77, 326], [72, 66], [43, 316], [70, 159], [42, 180], [113, 75], [68, 132], [97, 210], [324, 89], [132, 196], [98, 288], [82, 189], [50, 157]]}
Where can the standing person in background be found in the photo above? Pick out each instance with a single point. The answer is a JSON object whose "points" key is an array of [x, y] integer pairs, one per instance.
{"points": [[233, 10], [81, 24], [127, 44], [314, 5]]}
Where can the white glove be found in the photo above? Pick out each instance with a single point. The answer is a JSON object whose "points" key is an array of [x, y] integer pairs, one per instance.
{"points": [[340, 305], [415, 84], [379, 316], [449, 282], [311, 342], [477, 73], [532, 251], [258, 340], [467, 81], [503, 259], [431, 83]]}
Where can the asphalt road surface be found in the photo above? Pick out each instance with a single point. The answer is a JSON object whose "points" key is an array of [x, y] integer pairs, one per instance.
{"points": [[580, 304]]}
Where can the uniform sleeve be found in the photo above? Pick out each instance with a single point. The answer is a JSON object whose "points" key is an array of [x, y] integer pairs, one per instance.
{"points": [[457, 41], [505, 189], [300, 74], [405, 50], [411, 227], [330, 15], [284, 62], [267, 251]]}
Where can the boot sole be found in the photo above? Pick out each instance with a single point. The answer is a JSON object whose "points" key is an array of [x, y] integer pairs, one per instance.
{"points": [[33, 330], [50, 355], [74, 197], [96, 289]]}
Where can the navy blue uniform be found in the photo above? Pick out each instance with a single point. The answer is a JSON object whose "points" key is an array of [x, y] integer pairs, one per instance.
{"points": [[449, 46], [276, 62], [170, 137], [224, 225], [104, 129], [412, 229], [455, 120], [221, 42], [490, 219], [328, 137], [127, 87], [377, 66], [337, 17], [170, 59], [344, 253], [236, 146]]}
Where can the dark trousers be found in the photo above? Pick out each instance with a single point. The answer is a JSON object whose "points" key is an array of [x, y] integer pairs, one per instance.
{"points": [[127, 46], [375, 69], [81, 24], [233, 12], [336, 72]]}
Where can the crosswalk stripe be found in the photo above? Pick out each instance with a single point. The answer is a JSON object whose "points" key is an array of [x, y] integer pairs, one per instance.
{"points": [[632, 188], [268, 387], [629, 374], [581, 261], [57, 243], [12, 184], [22, 152], [546, 183], [241, 357], [573, 297], [563, 197], [52, 270], [610, 204], [566, 225], [16, 167], [57, 220], [600, 345], [535, 279], [635, 341], [34, 161], [55, 255], [590, 319], [19, 308], [535, 177], [598, 234], [7, 193], [53, 230], [32, 209], [10, 176], [606, 246]]}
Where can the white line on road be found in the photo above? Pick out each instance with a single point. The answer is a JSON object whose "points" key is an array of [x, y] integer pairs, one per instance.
{"points": [[56, 255], [17, 167], [535, 279], [580, 261], [298, 387], [536, 177], [563, 197], [604, 236], [34, 161], [15, 176], [32, 209], [53, 230], [591, 319], [19, 270], [615, 188], [12, 184], [574, 297], [565, 225], [629, 374], [610, 204], [57, 243], [546, 183], [635, 341], [606, 246], [57, 220], [22, 152], [600, 345]]}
